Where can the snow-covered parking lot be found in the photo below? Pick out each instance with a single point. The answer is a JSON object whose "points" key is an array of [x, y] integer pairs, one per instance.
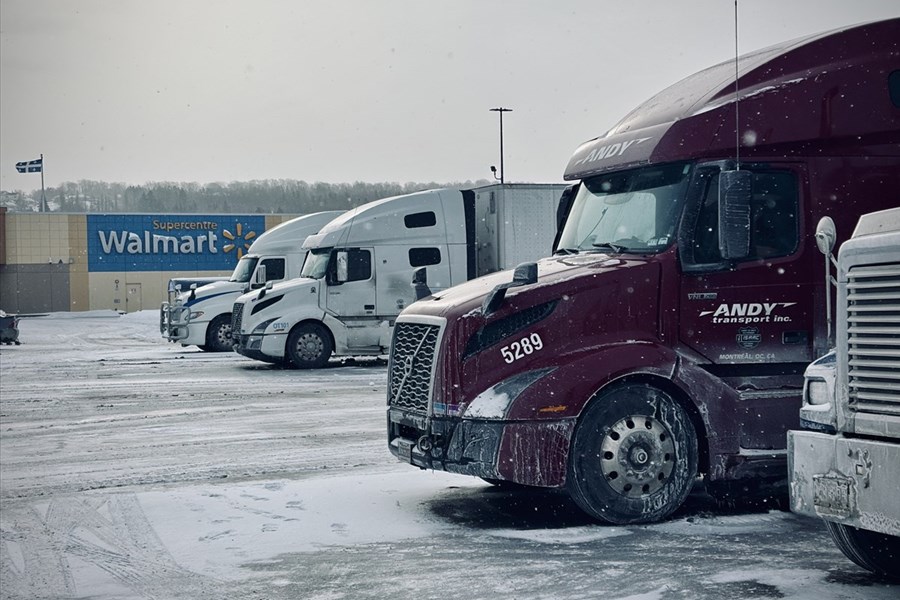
{"points": [[133, 468]]}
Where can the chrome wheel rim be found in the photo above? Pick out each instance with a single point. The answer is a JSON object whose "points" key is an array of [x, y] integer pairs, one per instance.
{"points": [[637, 456]]}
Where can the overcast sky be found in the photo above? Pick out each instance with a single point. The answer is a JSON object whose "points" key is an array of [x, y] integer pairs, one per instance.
{"points": [[351, 90]]}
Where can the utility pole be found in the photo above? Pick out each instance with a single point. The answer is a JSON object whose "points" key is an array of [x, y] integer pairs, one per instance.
{"points": [[501, 110]]}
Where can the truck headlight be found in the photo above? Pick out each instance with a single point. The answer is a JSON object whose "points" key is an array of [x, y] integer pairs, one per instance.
{"points": [[817, 412], [817, 392], [195, 315]]}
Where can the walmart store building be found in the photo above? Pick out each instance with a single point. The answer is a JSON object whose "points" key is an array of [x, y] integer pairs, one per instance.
{"points": [[53, 262]]}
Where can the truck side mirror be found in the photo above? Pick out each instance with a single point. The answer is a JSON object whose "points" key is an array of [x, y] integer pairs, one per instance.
{"points": [[268, 286], [562, 212], [524, 274], [342, 262], [735, 192], [193, 291], [420, 283], [826, 234], [259, 277]]}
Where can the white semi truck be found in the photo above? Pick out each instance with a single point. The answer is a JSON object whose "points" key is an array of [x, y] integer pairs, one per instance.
{"points": [[845, 464], [356, 278], [200, 314]]}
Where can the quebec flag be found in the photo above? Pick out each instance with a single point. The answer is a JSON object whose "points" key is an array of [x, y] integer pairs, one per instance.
{"points": [[31, 166]]}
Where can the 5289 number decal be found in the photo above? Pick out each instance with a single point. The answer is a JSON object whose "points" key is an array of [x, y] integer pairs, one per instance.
{"points": [[522, 348]]}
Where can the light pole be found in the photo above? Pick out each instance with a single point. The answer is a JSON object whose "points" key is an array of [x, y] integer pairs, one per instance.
{"points": [[501, 110]]}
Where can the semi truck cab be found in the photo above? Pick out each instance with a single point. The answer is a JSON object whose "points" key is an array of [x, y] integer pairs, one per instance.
{"points": [[666, 339], [356, 279], [195, 315]]}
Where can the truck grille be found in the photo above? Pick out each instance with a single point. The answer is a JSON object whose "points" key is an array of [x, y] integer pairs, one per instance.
{"points": [[873, 332], [237, 315], [412, 360]]}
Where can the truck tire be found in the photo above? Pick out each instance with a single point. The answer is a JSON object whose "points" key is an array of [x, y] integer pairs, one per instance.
{"points": [[873, 551], [218, 335], [633, 457], [308, 346]]}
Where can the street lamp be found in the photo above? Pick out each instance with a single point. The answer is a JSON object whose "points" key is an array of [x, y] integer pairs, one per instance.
{"points": [[500, 110]]}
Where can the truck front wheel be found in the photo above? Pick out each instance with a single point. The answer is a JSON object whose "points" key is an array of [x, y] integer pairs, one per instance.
{"points": [[309, 346], [873, 551], [218, 335], [633, 457]]}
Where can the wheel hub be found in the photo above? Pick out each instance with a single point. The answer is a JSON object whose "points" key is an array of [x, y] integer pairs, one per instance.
{"points": [[224, 334], [637, 456], [309, 347]]}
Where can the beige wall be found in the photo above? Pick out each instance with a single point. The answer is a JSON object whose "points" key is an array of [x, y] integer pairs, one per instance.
{"points": [[135, 291], [39, 238]]}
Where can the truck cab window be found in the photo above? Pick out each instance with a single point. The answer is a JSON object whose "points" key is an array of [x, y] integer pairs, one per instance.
{"points": [[773, 215], [774, 224], [244, 269], [359, 264], [422, 219], [422, 257], [629, 211], [274, 269], [316, 264]]}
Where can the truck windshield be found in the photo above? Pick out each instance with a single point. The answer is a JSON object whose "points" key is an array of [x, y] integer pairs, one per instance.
{"points": [[244, 269], [629, 211], [316, 264]]}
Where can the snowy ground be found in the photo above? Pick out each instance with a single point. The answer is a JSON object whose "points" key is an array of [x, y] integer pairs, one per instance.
{"points": [[133, 468]]}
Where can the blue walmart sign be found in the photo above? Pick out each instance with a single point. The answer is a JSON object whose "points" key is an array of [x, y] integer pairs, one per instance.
{"points": [[169, 243]]}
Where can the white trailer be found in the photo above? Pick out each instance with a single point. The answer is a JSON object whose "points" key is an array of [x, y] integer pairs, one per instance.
{"points": [[356, 279], [845, 465], [199, 314]]}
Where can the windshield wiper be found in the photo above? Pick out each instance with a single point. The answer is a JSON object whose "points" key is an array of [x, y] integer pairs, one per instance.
{"points": [[610, 246], [567, 251]]}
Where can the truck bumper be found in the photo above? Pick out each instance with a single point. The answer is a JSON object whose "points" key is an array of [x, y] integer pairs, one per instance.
{"points": [[525, 452], [267, 348], [176, 326], [194, 333], [851, 481]]}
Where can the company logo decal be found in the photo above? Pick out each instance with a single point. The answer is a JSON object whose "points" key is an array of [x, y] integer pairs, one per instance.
{"points": [[239, 240], [745, 313], [604, 152], [130, 242], [748, 337]]}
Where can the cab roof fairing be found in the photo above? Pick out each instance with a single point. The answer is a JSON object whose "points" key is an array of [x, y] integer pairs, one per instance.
{"points": [[336, 233], [289, 235], [695, 116]]}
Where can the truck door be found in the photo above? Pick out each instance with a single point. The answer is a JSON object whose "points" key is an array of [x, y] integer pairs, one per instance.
{"points": [[396, 267], [752, 319], [351, 283]]}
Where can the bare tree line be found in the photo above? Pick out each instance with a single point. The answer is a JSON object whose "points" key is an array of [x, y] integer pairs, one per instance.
{"points": [[271, 196]]}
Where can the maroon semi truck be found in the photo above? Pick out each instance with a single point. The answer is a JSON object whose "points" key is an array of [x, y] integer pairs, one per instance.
{"points": [[666, 338]]}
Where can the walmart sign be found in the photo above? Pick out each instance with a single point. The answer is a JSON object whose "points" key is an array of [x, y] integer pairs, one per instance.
{"points": [[169, 243]]}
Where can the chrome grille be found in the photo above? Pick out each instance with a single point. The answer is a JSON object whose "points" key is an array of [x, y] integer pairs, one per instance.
{"points": [[237, 315], [413, 352], [873, 334]]}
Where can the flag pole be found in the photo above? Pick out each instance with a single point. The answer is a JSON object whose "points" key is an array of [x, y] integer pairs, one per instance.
{"points": [[43, 196]]}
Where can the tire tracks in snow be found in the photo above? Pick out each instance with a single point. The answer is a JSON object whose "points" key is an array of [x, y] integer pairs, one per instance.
{"points": [[110, 533]]}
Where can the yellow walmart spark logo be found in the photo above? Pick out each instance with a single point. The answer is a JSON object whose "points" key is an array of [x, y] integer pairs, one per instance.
{"points": [[238, 240]]}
